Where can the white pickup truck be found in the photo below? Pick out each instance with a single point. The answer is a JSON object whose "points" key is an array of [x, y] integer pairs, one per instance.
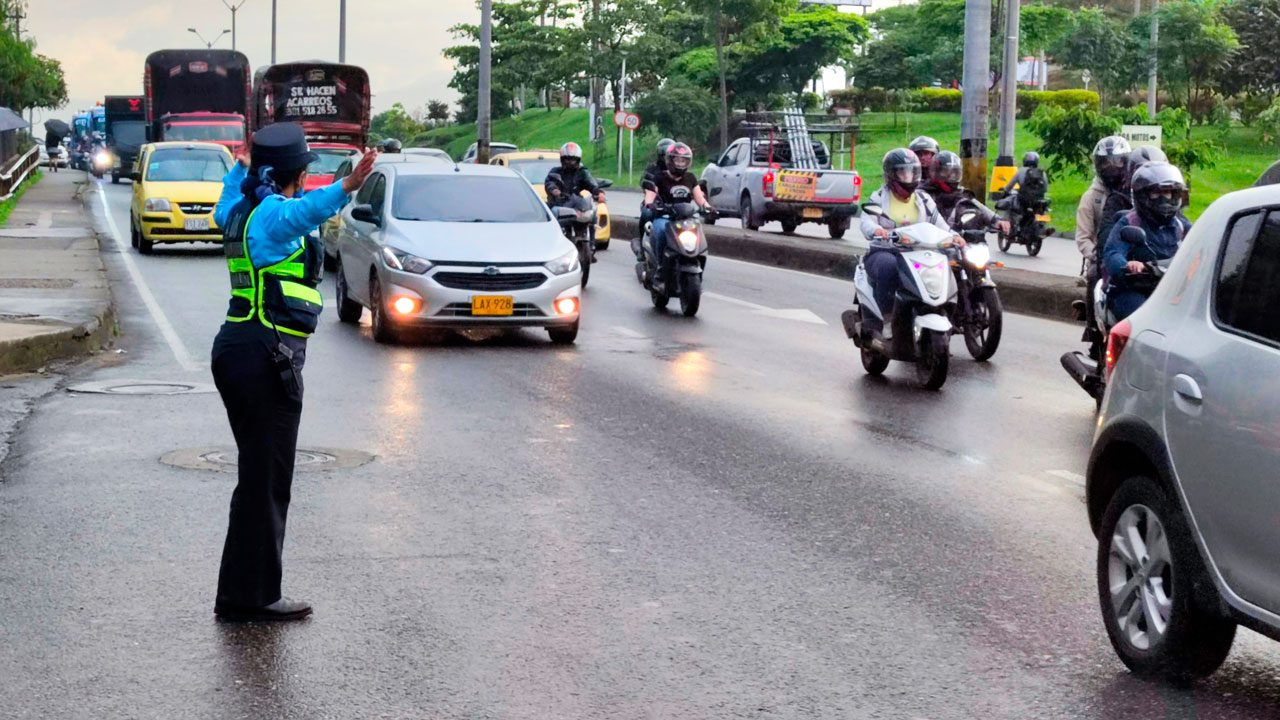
{"points": [[756, 180]]}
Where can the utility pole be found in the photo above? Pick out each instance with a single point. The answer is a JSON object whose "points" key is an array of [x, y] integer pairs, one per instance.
{"points": [[1009, 85], [273, 32], [234, 8], [483, 129], [1151, 69], [973, 103], [342, 31]]}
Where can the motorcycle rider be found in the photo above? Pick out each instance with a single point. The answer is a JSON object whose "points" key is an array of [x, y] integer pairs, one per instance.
{"points": [[1121, 200], [1159, 193], [925, 149], [904, 203], [390, 146], [650, 182], [1110, 161], [570, 178], [943, 185], [675, 184]]}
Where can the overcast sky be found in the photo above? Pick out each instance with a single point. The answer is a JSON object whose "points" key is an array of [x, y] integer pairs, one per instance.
{"points": [[102, 43]]}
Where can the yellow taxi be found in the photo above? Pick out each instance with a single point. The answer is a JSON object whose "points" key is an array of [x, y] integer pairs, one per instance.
{"points": [[534, 165], [175, 187]]}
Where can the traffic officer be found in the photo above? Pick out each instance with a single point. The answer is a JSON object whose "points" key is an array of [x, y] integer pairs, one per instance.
{"points": [[259, 352]]}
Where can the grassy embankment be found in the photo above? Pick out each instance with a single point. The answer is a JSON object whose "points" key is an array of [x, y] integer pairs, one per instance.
{"points": [[7, 206], [1245, 158]]}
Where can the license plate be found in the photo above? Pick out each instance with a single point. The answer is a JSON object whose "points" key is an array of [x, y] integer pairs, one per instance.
{"points": [[492, 305], [196, 224], [811, 213], [1042, 218]]}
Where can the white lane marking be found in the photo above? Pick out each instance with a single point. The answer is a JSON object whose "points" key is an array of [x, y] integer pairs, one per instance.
{"points": [[166, 329], [628, 332], [1067, 475], [799, 315], [761, 266]]}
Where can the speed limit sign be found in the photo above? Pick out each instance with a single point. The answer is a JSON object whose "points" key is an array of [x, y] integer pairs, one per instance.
{"points": [[632, 122], [620, 118]]}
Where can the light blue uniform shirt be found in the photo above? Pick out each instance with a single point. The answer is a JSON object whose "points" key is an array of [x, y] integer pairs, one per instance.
{"points": [[279, 222]]}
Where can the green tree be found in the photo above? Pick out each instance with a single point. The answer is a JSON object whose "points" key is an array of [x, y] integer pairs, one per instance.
{"points": [[1041, 26], [623, 29], [913, 45], [1255, 68], [437, 111], [786, 59], [1195, 48], [681, 110], [1068, 135], [394, 123], [1095, 42], [28, 79]]}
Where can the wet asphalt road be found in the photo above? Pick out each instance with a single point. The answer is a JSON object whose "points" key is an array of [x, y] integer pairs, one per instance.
{"points": [[710, 518]]}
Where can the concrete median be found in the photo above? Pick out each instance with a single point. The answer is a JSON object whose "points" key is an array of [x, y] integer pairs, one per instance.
{"points": [[1022, 291]]}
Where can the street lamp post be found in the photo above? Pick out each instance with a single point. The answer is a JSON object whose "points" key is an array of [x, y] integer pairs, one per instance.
{"points": [[973, 103], [273, 32], [233, 7], [342, 31], [483, 128], [207, 43]]}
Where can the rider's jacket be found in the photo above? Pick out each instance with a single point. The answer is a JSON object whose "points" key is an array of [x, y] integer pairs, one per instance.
{"points": [[926, 208], [570, 182], [1162, 244]]}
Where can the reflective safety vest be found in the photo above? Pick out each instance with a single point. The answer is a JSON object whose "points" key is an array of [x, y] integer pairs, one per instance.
{"points": [[282, 296]]}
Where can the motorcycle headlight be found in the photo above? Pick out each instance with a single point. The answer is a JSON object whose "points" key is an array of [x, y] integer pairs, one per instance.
{"points": [[566, 263], [688, 240], [978, 255], [102, 159], [586, 216], [935, 279], [400, 260], [156, 205]]}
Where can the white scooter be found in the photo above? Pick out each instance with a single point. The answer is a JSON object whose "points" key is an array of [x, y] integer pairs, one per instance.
{"points": [[920, 329]]}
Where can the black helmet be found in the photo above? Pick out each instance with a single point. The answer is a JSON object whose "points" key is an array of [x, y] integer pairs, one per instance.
{"points": [[924, 144], [1141, 156], [390, 145], [663, 146], [901, 172], [1158, 192], [946, 169], [679, 158], [571, 155], [1111, 160], [1031, 159]]}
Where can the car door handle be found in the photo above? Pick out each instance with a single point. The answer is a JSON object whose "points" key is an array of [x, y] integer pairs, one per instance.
{"points": [[1187, 388]]}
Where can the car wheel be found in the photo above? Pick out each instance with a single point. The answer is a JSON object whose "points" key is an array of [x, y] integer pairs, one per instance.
{"points": [[1148, 570], [330, 262], [133, 233], [789, 228], [115, 178], [837, 228], [383, 331], [349, 311], [144, 245], [564, 335], [749, 219]]}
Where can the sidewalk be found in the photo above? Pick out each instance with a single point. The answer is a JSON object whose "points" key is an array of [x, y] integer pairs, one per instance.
{"points": [[54, 298]]}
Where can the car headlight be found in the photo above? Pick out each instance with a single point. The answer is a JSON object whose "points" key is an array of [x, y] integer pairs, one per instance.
{"points": [[156, 205], [688, 240], [978, 255], [401, 260], [566, 263]]}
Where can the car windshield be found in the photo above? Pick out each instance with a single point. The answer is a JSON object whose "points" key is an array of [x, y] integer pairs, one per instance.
{"points": [[328, 161], [183, 165], [535, 171], [450, 198], [214, 133]]}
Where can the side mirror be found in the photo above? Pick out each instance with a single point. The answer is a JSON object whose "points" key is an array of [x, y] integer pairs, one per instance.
{"points": [[605, 184], [365, 214], [135, 176], [873, 210]]}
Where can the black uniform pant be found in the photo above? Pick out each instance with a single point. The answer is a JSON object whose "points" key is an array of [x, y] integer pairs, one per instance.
{"points": [[264, 417]]}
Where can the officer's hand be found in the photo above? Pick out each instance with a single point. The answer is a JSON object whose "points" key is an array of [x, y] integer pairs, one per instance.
{"points": [[352, 182], [1134, 267], [242, 155]]}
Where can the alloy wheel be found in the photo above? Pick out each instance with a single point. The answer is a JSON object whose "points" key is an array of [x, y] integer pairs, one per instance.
{"points": [[1139, 576]]}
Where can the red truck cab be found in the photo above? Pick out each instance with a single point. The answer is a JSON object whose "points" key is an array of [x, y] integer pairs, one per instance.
{"points": [[221, 128], [199, 95]]}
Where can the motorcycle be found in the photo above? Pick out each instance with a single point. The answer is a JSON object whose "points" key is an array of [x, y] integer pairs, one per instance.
{"points": [[1089, 369], [978, 312], [100, 160], [683, 258], [1028, 214], [921, 324], [577, 218]]}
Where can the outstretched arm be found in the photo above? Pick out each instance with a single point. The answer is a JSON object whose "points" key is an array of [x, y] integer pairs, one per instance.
{"points": [[231, 194]]}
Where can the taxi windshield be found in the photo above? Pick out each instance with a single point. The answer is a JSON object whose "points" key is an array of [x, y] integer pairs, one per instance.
{"points": [[535, 171], [183, 165]]}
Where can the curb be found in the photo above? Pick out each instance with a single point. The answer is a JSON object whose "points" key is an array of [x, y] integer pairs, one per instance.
{"points": [[1021, 291], [36, 351]]}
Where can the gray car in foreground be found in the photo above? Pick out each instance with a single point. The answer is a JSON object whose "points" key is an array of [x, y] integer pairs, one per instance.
{"points": [[1184, 478]]}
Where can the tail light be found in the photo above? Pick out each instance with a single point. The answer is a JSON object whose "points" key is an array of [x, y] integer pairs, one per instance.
{"points": [[857, 187], [1116, 343], [767, 183]]}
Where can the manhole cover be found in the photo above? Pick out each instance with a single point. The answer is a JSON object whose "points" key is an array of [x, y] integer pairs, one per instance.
{"points": [[142, 387], [223, 459]]}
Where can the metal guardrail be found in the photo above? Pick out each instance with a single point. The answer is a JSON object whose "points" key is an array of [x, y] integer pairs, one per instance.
{"points": [[14, 176]]}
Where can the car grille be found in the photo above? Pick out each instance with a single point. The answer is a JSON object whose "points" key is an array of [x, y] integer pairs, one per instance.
{"points": [[486, 283], [464, 310], [195, 208]]}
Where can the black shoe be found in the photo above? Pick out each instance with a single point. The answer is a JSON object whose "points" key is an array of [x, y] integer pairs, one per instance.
{"points": [[282, 609]]}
